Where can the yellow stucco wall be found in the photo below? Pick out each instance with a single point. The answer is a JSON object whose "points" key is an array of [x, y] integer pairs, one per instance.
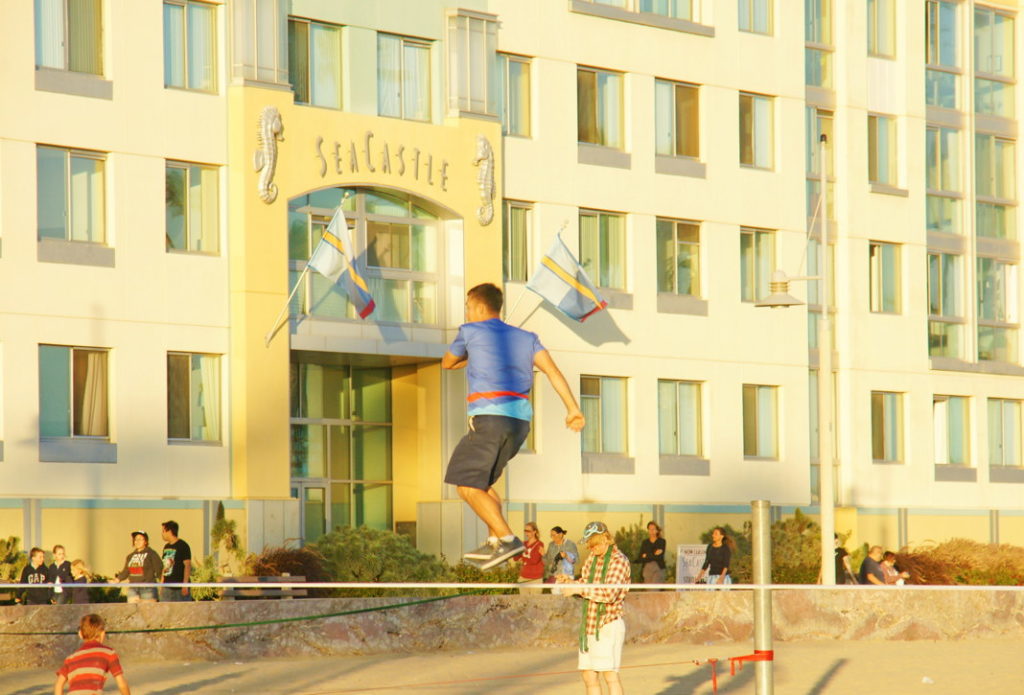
{"points": [[1011, 530], [923, 528], [416, 432]]}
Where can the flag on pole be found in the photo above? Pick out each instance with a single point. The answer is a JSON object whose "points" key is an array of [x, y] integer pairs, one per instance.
{"points": [[334, 258], [561, 280]]}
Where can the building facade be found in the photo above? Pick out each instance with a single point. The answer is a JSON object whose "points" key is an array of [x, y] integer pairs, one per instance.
{"points": [[173, 357]]}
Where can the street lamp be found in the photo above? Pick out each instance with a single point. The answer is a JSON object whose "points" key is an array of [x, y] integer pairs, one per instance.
{"points": [[780, 298]]}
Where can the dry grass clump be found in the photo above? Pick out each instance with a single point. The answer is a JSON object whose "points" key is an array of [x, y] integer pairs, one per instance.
{"points": [[961, 561], [297, 562]]}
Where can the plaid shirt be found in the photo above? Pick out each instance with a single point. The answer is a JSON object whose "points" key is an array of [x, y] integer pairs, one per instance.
{"points": [[618, 573]]}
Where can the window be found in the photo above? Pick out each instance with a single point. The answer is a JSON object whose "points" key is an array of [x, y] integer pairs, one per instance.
{"points": [[192, 207], [884, 262], [757, 261], [73, 392], [756, 131], [679, 257], [993, 63], [314, 62], [473, 84], [945, 313], [952, 430], [886, 426], [603, 248], [396, 237], [882, 150], [678, 9], [677, 119], [515, 112], [942, 76], [942, 152], [190, 45], [995, 187], [679, 418], [820, 122], [599, 107], [882, 28], [603, 402], [515, 241], [997, 310], [756, 16], [69, 35], [1004, 432], [193, 397], [818, 43], [760, 421], [403, 78], [70, 194]]}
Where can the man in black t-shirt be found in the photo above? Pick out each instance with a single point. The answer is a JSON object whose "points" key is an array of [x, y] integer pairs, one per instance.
{"points": [[177, 559]]}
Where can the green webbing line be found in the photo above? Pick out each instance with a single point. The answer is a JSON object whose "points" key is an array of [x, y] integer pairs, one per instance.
{"points": [[586, 602], [258, 622]]}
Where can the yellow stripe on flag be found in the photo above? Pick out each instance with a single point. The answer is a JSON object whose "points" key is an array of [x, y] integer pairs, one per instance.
{"points": [[340, 245], [569, 279]]}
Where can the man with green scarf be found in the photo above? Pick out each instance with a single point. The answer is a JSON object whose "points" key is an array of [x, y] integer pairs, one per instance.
{"points": [[602, 630]]}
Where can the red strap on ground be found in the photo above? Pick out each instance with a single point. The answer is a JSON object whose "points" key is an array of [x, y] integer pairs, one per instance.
{"points": [[758, 655]]}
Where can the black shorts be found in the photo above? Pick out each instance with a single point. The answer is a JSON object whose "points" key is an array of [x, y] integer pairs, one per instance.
{"points": [[480, 456]]}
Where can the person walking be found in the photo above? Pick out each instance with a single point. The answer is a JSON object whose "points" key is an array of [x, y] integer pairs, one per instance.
{"points": [[652, 556], [716, 561], [85, 671]]}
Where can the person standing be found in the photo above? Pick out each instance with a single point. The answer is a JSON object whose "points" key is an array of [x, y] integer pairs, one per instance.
{"points": [[177, 562], [844, 573], [602, 629], [716, 561], [80, 577], [532, 570], [499, 361], [60, 574], [561, 557], [652, 555], [142, 566], [36, 572], [85, 671]]}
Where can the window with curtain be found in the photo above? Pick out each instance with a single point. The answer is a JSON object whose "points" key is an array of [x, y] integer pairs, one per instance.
{"points": [[603, 248], [599, 107], [998, 322], [757, 262], [755, 16], [679, 418], [193, 397], [474, 84], [73, 392], [1004, 443], [678, 255], [515, 241], [515, 92], [945, 306], [71, 196], [760, 421], [942, 75], [886, 427], [69, 35], [190, 45], [942, 178], [882, 149], [403, 77], [603, 402], [820, 122], [882, 28], [818, 43], [314, 62], [951, 426], [192, 207], [995, 186], [756, 131], [884, 275], [994, 58], [676, 119]]}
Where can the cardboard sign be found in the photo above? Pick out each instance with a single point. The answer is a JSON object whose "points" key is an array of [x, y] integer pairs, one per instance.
{"points": [[689, 559]]}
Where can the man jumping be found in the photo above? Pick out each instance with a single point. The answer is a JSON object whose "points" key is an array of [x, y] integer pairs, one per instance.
{"points": [[499, 359]]}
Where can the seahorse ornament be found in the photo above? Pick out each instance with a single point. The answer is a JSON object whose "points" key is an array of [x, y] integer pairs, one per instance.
{"points": [[484, 159], [264, 160]]}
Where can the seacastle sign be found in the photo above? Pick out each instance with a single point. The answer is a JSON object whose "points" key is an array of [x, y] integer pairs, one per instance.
{"points": [[379, 156]]}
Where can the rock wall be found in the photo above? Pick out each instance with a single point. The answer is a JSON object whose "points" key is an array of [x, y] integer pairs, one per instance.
{"points": [[155, 631]]}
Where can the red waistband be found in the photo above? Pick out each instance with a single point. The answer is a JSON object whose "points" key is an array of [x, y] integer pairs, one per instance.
{"points": [[493, 394]]}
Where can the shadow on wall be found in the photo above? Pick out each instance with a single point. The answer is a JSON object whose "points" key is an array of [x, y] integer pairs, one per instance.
{"points": [[597, 330]]}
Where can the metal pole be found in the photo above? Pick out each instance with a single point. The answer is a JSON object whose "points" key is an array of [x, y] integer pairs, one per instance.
{"points": [[764, 682], [826, 485]]}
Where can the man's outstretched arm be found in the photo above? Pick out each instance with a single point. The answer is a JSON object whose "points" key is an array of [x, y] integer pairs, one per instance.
{"points": [[573, 415], [450, 361]]}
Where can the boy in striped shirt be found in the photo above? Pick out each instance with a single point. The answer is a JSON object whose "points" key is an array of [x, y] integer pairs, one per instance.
{"points": [[85, 671]]}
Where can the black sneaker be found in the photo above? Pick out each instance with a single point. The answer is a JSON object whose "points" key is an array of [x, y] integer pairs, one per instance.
{"points": [[484, 552], [503, 553]]}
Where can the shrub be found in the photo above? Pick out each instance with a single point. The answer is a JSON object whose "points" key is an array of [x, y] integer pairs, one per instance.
{"points": [[504, 574], [299, 562], [12, 561], [796, 550], [371, 555], [961, 561], [105, 594], [628, 539]]}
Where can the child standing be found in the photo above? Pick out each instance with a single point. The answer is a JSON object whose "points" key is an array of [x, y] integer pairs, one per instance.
{"points": [[85, 671], [60, 573], [80, 576], [36, 572]]}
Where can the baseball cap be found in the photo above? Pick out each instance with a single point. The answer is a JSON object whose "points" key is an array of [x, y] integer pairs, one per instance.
{"points": [[592, 529], [140, 533]]}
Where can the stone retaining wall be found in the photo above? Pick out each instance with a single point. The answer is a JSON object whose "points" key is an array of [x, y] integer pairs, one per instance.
{"points": [[492, 622]]}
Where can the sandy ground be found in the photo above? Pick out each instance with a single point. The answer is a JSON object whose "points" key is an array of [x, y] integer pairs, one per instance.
{"points": [[801, 668]]}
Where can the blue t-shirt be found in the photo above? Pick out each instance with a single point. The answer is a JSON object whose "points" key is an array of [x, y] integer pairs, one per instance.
{"points": [[500, 368]]}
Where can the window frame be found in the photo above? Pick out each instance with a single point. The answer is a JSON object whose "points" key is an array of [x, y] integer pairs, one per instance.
{"points": [[215, 235], [427, 89], [753, 287], [750, 14], [676, 137], [623, 419], [888, 400], [937, 296], [185, 47], [598, 267], [755, 428], [504, 60], [981, 75], [461, 69], [755, 138], [507, 241], [1008, 318], [1017, 419], [66, 41], [935, 29], [311, 60], [218, 405], [72, 434], [878, 286], [68, 154], [676, 243], [875, 163], [819, 41], [996, 145], [698, 420], [879, 13], [600, 133], [942, 423]]}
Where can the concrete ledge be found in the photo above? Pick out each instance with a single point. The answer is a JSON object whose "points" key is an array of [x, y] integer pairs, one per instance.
{"points": [[681, 304], [645, 18], [616, 464], [80, 84], [602, 156], [996, 474], [617, 299], [683, 465], [76, 450], [74, 253], [680, 166], [955, 474]]}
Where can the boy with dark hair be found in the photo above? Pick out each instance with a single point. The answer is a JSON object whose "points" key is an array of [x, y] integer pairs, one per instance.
{"points": [[499, 361], [177, 560], [85, 671], [36, 572]]}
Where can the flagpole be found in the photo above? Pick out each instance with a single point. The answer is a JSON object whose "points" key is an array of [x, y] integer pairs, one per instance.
{"points": [[277, 322]]}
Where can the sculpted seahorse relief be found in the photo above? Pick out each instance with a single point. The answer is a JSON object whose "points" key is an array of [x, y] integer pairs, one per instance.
{"points": [[484, 159], [270, 130]]}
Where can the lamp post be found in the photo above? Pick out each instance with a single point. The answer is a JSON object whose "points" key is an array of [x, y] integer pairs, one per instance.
{"points": [[780, 298]]}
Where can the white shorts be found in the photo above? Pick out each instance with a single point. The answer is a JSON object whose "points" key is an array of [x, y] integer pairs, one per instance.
{"points": [[605, 654]]}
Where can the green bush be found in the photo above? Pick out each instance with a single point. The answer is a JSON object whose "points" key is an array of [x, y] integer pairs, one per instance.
{"points": [[504, 574], [12, 561], [628, 539], [105, 594], [796, 550]]}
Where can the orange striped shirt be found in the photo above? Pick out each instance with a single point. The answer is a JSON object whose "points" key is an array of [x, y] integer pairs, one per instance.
{"points": [[87, 668]]}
